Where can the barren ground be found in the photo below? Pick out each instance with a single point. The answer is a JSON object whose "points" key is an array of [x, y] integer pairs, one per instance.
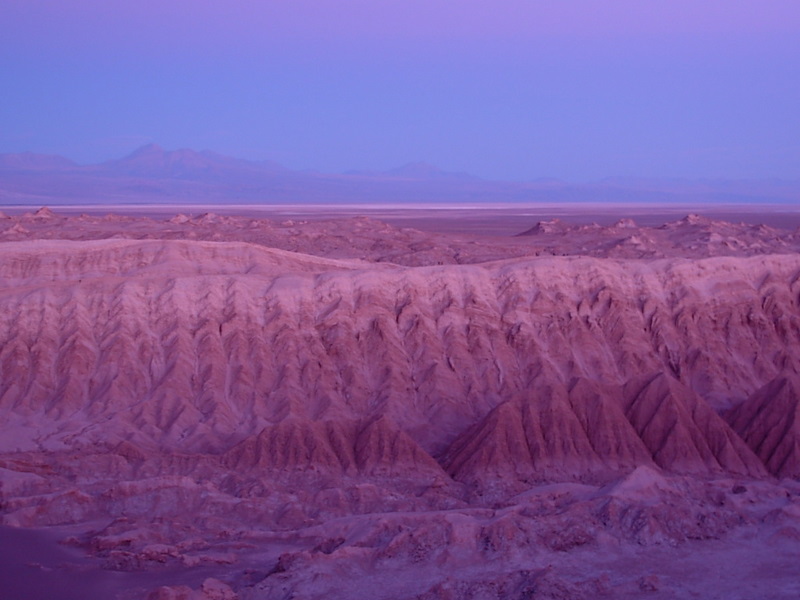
{"points": [[400, 404]]}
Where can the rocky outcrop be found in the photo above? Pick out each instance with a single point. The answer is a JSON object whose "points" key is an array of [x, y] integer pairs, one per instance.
{"points": [[196, 347], [681, 431], [375, 448], [769, 422], [553, 435], [313, 427]]}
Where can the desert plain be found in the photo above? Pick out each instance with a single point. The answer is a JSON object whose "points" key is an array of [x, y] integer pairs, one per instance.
{"points": [[395, 403]]}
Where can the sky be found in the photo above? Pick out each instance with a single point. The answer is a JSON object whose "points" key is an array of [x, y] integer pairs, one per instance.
{"points": [[509, 89]]}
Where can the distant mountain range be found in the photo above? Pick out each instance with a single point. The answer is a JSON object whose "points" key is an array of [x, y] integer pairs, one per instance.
{"points": [[154, 175]]}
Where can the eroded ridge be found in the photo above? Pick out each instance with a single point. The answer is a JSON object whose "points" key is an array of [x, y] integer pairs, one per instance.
{"points": [[156, 394]]}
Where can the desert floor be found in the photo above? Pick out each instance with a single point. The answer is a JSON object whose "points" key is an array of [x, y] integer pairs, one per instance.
{"points": [[400, 403]]}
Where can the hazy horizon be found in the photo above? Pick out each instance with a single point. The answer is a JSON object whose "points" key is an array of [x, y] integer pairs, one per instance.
{"points": [[412, 168], [515, 91], [153, 175]]}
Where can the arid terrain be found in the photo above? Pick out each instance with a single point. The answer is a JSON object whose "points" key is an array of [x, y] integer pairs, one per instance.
{"points": [[219, 406]]}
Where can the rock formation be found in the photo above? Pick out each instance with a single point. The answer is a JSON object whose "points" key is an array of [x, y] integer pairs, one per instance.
{"points": [[210, 402]]}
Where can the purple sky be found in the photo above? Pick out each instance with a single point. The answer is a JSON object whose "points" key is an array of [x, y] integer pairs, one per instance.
{"points": [[508, 89]]}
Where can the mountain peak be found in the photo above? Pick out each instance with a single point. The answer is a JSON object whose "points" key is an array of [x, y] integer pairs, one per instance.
{"points": [[423, 170], [151, 149], [31, 161], [416, 168], [153, 161]]}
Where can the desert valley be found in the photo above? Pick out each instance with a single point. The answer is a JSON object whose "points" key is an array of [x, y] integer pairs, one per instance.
{"points": [[419, 300], [218, 406]]}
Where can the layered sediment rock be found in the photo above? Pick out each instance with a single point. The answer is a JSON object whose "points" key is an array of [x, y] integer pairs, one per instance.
{"points": [[769, 422], [534, 367], [202, 399]]}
